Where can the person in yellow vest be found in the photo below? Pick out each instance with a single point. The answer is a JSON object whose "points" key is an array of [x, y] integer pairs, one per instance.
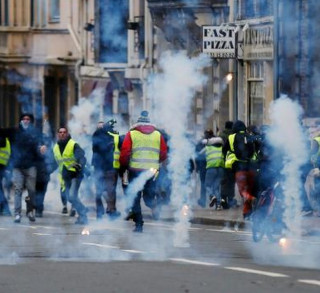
{"points": [[239, 151], [143, 148], [71, 163], [105, 160], [5, 152], [214, 168]]}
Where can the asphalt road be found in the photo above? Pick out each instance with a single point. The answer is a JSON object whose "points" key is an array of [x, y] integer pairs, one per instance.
{"points": [[54, 255]]}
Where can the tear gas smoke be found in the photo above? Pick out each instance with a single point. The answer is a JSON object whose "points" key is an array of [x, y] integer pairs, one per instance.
{"points": [[172, 93], [287, 137]]}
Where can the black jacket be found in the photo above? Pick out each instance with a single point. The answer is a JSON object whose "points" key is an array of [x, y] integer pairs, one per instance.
{"points": [[102, 150], [25, 146]]}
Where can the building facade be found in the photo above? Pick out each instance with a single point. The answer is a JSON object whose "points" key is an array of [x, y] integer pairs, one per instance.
{"points": [[53, 52]]}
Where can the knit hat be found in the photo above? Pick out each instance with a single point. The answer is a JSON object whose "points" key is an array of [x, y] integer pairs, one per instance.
{"points": [[144, 117]]}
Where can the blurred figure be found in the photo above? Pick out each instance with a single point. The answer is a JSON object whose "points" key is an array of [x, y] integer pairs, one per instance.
{"points": [[143, 148], [45, 166], [71, 162], [228, 181], [5, 152], [105, 160], [214, 168], [239, 151], [26, 146], [200, 162]]}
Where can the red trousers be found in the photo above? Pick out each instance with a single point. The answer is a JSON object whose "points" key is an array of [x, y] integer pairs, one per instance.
{"points": [[245, 183]]}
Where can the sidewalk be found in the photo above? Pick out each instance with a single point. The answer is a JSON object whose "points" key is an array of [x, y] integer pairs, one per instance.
{"points": [[233, 218]]}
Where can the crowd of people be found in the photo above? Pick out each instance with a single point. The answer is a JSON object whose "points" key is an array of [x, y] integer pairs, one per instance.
{"points": [[239, 156]]}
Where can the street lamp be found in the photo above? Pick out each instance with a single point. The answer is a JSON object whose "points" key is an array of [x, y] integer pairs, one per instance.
{"points": [[229, 76]]}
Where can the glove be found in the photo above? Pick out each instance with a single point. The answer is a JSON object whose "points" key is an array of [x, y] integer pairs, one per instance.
{"points": [[77, 166]]}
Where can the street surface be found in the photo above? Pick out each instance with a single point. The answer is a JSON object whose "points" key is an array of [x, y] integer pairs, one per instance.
{"points": [[53, 255]]}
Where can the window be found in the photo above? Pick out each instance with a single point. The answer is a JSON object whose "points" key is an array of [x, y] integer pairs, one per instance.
{"points": [[256, 93], [4, 13], [54, 10], [112, 36], [256, 8]]}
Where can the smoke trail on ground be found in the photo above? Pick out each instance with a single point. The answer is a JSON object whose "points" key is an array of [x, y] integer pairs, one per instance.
{"points": [[173, 91], [287, 136]]}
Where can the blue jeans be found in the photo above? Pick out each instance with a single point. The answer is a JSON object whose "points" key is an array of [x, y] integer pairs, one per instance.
{"points": [[72, 194], [213, 182]]}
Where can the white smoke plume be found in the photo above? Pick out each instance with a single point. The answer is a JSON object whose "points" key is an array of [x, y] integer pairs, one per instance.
{"points": [[173, 91], [288, 138]]}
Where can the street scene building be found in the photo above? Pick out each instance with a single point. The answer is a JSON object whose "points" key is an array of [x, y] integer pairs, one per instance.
{"points": [[55, 52], [159, 146]]}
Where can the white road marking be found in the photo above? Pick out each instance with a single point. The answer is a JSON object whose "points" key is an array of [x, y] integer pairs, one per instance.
{"points": [[311, 282], [4, 229], [42, 234], [258, 272], [193, 262], [100, 245], [132, 251], [228, 230]]}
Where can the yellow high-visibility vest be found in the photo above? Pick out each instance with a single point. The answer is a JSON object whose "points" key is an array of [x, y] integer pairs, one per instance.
{"points": [[67, 158], [116, 152], [214, 156], [145, 152], [5, 153]]}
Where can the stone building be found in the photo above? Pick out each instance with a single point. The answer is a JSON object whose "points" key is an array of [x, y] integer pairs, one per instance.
{"points": [[54, 52]]}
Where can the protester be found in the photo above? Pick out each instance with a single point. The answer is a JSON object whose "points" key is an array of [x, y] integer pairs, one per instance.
{"points": [[239, 151], [228, 181], [71, 161], [105, 160], [214, 168], [45, 166], [26, 146], [143, 148], [5, 152]]}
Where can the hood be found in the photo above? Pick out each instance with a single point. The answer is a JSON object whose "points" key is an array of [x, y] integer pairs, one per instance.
{"points": [[238, 126], [29, 115], [145, 128]]}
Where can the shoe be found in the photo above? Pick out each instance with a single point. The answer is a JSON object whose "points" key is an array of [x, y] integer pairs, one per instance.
{"points": [[213, 201], [38, 214], [138, 229], [72, 212], [224, 204], [64, 210], [17, 219], [306, 213], [129, 216], [31, 217], [81, 221], [219, 207], [113, 215]]}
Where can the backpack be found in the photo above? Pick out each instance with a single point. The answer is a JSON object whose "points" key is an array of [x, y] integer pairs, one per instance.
{"points": [[243, 146]]}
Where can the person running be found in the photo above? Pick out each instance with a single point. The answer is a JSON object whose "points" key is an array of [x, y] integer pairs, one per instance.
{"points": [[71, 161], [143, 148]]}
